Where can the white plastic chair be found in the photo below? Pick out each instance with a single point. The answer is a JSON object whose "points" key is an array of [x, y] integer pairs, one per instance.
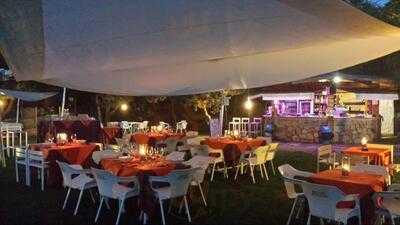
{"points": [[201, 162], [181, 126], [109, 187], [178, 181], [164, 125], [289, 175], [373, 169], [257, 158], [326, 156], [126, 126], [36, 160], [97, 156], [21, 159], [176, 156], [218, 158], [245, 125], [75, 177], [389, 202], [322, 201]]}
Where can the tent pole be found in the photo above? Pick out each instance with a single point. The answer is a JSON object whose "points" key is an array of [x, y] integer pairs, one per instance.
{"points": [[17, 116], [63, 102]]}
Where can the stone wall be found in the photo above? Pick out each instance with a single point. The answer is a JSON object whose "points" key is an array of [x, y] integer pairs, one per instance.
{"points": [[305, 129]]}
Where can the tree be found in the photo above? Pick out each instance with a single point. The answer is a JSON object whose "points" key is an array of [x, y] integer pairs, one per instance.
{"points": [[109, 104]]}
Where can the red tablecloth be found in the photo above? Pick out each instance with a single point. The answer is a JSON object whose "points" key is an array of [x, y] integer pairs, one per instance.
{"points": [[72, 153], [84, 129], [356, 183], [153, 137], [233, 148], [110, 133], [378, 156], [142, 170]]}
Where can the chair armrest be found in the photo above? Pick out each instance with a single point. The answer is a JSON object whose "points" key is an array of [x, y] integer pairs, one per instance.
{"points": [[394, 187]]}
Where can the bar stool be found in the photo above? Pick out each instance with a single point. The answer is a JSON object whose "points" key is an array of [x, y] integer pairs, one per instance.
{"points": [[255, 126], [235, 124], [245, 125]]}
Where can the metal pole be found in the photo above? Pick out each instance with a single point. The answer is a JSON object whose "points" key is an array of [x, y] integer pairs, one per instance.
{"points": [[17, 117], [63, 102]]}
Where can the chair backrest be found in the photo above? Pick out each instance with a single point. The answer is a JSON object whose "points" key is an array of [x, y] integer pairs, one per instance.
{"points": [[324, 151], [322, 199], [171, 144], [216, 153], [106, 182], [36, 156], [236, 119], [201, 162], [372, 169], [181, 125], [176, 156], [192, 134], [261, 154], [289, 174], [273, 146], [20, 154], [67, 172], [125, 125], [164, 125], [179, 181], [97, 156], [257, 120], [383, 146], [245, 120]]}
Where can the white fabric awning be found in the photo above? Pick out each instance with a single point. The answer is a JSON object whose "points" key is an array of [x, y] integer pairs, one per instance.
{"points": [[27, 96], [285, 96], [176, 47], [376, 96]]}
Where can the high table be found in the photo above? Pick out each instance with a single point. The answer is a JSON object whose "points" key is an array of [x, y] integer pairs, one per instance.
{"points": [[233, 148], [84, 129], [142, 169], [363, 184], [72, 153], [379, 156]]}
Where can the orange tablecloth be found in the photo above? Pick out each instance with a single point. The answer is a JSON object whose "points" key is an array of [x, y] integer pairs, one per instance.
{"points": [[152, 137], [356, 183], [135, 166], [72, 153], [379, 156], [110, 133], [233, 148]]}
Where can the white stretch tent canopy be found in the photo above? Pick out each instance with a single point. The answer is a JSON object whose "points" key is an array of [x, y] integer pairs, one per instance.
{"points": [[175, 47], [285, 96], [376, 96], [27, 96]]}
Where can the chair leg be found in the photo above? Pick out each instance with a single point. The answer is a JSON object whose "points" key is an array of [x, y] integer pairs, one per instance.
{"points": [[309, 219], [212, 172], [162, 211], [291, 212], [16, 173], [261, 171], [79, 201], [92, 196], [252, 174], [66, 198], [225, 171], [202, 195], [121, 207], [265, 171], [237, 171], [393, 222], [42, 178], [187, 209], [273, 167], [99, 209]]}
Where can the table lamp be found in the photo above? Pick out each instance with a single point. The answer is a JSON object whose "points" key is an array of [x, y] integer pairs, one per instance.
{"points": [[345, 166]]}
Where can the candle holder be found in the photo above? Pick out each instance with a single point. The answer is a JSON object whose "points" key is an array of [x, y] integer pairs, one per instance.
{"points": [[62, 138], [364, 142], [345, 166], [143, 151]]}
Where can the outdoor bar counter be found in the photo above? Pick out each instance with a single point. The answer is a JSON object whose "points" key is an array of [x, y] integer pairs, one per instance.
{"points": [[346, 130]]}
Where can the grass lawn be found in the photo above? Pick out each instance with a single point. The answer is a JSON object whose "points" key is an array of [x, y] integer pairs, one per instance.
{"points": [[230, 202]]}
